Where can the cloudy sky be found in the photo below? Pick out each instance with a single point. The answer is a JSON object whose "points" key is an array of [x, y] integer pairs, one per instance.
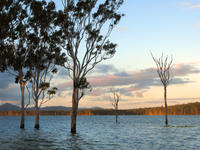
{"points": [[171, 27]]}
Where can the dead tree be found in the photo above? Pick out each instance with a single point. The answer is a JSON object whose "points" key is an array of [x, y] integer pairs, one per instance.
{"points": [[163, 65], [115, 102]]}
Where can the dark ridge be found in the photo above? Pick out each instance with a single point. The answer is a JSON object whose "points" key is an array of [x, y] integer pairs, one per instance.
{"points": [[8, 107]]}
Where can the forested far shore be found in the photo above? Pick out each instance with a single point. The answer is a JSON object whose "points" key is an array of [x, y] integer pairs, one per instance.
{"points": [[183, 109]]}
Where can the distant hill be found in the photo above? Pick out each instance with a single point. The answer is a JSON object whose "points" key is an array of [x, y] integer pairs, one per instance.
{"points": [[11, 107], [8, 107], [56, 108]]}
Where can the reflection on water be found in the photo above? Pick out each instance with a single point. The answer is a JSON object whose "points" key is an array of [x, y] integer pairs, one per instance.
{"points": [[101, 132]]}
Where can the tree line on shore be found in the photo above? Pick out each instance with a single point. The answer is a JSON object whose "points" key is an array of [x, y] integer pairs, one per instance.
{"points": [[183, 109]]}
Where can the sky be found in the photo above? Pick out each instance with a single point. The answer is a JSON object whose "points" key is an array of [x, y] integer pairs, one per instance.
{"points": [[170, 27]]}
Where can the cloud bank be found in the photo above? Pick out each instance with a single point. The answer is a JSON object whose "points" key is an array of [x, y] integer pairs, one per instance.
{"points": [[132, 83]]}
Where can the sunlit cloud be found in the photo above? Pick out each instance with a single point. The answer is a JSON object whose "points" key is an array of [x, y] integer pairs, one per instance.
{"points": [[98, 92], [132, 83], [123, 29], [139, 94], [195, 6], [197, 25], [186, 3], [184, 69], [190, 5]]}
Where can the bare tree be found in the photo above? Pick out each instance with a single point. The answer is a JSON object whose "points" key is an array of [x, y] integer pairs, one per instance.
{"points": [[163, 65], [85, 26], [115, 102]]}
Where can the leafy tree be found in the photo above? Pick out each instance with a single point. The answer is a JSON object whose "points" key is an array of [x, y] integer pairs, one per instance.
{"points": [[13, 50], [163, 65], [85, 27], [44, 51]]}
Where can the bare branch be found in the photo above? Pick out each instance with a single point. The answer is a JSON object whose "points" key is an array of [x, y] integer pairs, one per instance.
{"points": [[163, 68], [29, 97]]}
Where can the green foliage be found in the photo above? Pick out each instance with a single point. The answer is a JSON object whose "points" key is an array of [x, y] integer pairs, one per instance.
{"points": [[29, 42], [42, 38], [85, 19], [44, 85], [85, 26], [13, 50], [54, 71], [43, 42], [52, 91]]}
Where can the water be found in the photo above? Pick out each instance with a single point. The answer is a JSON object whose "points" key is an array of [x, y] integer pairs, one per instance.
{"points": [[101, 133]]}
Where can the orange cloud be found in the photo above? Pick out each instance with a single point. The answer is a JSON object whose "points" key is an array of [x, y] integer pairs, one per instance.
{"points": [[139, 94], [186, 3], [190, 5], [195, 6], [197, 25]]}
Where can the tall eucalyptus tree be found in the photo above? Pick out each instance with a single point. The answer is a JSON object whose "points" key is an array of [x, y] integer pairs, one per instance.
{"points": [[44, 51], [13, 48], [86, 26]]}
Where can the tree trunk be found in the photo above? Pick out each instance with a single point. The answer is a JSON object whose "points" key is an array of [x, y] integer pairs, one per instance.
{"points": [[37, 125], [22, 86], [74, 110], [165, 97], [116, 114]]}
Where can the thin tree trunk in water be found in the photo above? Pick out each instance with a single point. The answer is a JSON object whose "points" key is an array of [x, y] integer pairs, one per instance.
{"points": [[165, 97], [116, 113], [37, 125], [74, 110], [22, 85]]}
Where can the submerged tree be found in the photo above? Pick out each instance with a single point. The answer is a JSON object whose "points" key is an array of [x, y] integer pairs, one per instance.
{"points": [[163, 65], [115, 102], [13, 48], [85, 26], [44, 51]]}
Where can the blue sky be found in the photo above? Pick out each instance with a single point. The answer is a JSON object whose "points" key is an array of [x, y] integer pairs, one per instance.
{"points": [[171, 27], [160, 26]]}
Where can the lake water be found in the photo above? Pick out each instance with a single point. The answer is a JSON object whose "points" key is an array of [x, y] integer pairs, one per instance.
{"points": [[102, 133]]}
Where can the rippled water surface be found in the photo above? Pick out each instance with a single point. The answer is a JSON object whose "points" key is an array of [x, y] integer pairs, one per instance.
{"points": [[101, 133]]}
